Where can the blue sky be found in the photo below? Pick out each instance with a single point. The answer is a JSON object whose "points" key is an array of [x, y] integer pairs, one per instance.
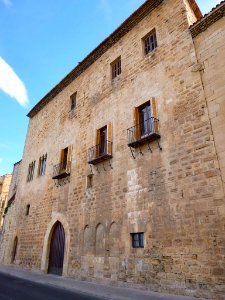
{"points": [[40, 42]]}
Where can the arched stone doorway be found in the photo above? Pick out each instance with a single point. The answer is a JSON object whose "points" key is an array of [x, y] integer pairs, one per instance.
{"points": [[56, 217], [57, 247]]}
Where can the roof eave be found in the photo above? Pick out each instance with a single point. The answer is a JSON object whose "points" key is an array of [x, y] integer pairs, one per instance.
{"points": [[146, 8]]}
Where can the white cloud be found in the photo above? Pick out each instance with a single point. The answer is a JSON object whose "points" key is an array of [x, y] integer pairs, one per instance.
{"points": [[11, 84], [7, 3], [1, 159]]}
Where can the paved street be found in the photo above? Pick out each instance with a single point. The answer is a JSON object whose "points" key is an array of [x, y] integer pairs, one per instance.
{"points": [[12, 288], [20, 284]]}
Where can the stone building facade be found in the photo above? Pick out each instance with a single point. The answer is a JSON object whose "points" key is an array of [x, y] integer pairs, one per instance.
{"points": [[10, 218], [123, 165], [5, 181]]}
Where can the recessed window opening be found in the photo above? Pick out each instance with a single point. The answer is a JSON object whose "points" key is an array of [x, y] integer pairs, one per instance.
{"points": [[116, 67], [31, 168], [73, 101], [145, 118], [89, 181], [150, 42], [42, 165], [27, 209], [103, 140], [137, 240], [64, 158]]}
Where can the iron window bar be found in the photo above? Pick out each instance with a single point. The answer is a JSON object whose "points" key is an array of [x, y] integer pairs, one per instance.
{"points": [[61, 170], [100, 152], [144, 132]]}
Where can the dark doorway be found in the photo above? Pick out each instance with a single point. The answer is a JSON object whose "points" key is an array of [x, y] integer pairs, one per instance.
{"points": [[145, 118], [103, 138], [56, 255]]}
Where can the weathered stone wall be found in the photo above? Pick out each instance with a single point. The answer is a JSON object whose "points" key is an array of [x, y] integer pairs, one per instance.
{"points": [[210, 51], [175, 196], [5, 181], [210, 46], [9, 229]]}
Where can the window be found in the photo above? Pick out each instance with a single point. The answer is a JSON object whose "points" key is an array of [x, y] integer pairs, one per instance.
{"points": [[42, 165], [27, 209], [31, 168], [103, 147], [64, 158], [146, 119], [73, 101], [116, 67], [137, 240], [104, 140], [62, 169], [89, 181], [150, 42]]}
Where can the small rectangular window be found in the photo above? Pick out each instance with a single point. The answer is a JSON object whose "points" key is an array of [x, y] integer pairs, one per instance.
{"points": [[89, 181], [27, 210], [137, 240], [73, 101], [150, 42], [116, 67]]}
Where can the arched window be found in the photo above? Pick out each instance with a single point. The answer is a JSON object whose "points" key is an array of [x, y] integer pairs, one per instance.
{"points": [[100, 240], [114, 239]]}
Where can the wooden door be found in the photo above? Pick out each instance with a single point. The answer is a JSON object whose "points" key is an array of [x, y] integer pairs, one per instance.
{"points": [[56, 255]]}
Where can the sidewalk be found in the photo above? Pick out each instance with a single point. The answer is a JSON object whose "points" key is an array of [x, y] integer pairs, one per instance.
{"points": [[84, 287]]}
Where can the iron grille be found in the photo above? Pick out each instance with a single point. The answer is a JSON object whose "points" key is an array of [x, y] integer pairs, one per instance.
{"points": [[61, 170], [145, 131], [100, 152]]}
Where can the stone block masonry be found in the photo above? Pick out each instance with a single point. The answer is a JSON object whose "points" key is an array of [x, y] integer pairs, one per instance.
{"points": [[173, 198]]}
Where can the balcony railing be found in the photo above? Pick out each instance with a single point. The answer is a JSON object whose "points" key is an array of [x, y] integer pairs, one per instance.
{"points": [[147, 131], [61, 170], [100, 152]]}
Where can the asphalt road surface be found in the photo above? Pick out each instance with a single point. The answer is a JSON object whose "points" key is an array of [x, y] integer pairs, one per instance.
{"points": [[12, 288]]}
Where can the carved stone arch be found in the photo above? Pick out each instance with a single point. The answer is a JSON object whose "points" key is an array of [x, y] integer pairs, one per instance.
{"points": [[57, 217], [114, 239], [87, 240], [100, 240]]}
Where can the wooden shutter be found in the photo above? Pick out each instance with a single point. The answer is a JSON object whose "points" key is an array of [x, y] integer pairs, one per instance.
{"points": [[154, 114], [109, 138], [97, 149], [69, 158], [136, 132]]}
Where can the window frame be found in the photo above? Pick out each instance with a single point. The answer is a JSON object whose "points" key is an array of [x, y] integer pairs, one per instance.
{"points": [[139, 239], [116, 68], [73, 101], [107, 141], [42, 165], [31, 168], [148, 44]]}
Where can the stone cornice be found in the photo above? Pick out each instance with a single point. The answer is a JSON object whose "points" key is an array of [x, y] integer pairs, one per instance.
{"points": [[123, 29], [209, 19]]}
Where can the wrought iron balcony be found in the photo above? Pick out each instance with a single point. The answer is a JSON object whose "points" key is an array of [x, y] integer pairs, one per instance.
{"points": [[142, 133], [61, 170], [100, 152]]}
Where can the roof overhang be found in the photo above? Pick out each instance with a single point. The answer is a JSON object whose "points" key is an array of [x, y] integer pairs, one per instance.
{"points": [[216, 14], [124, 28]]}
